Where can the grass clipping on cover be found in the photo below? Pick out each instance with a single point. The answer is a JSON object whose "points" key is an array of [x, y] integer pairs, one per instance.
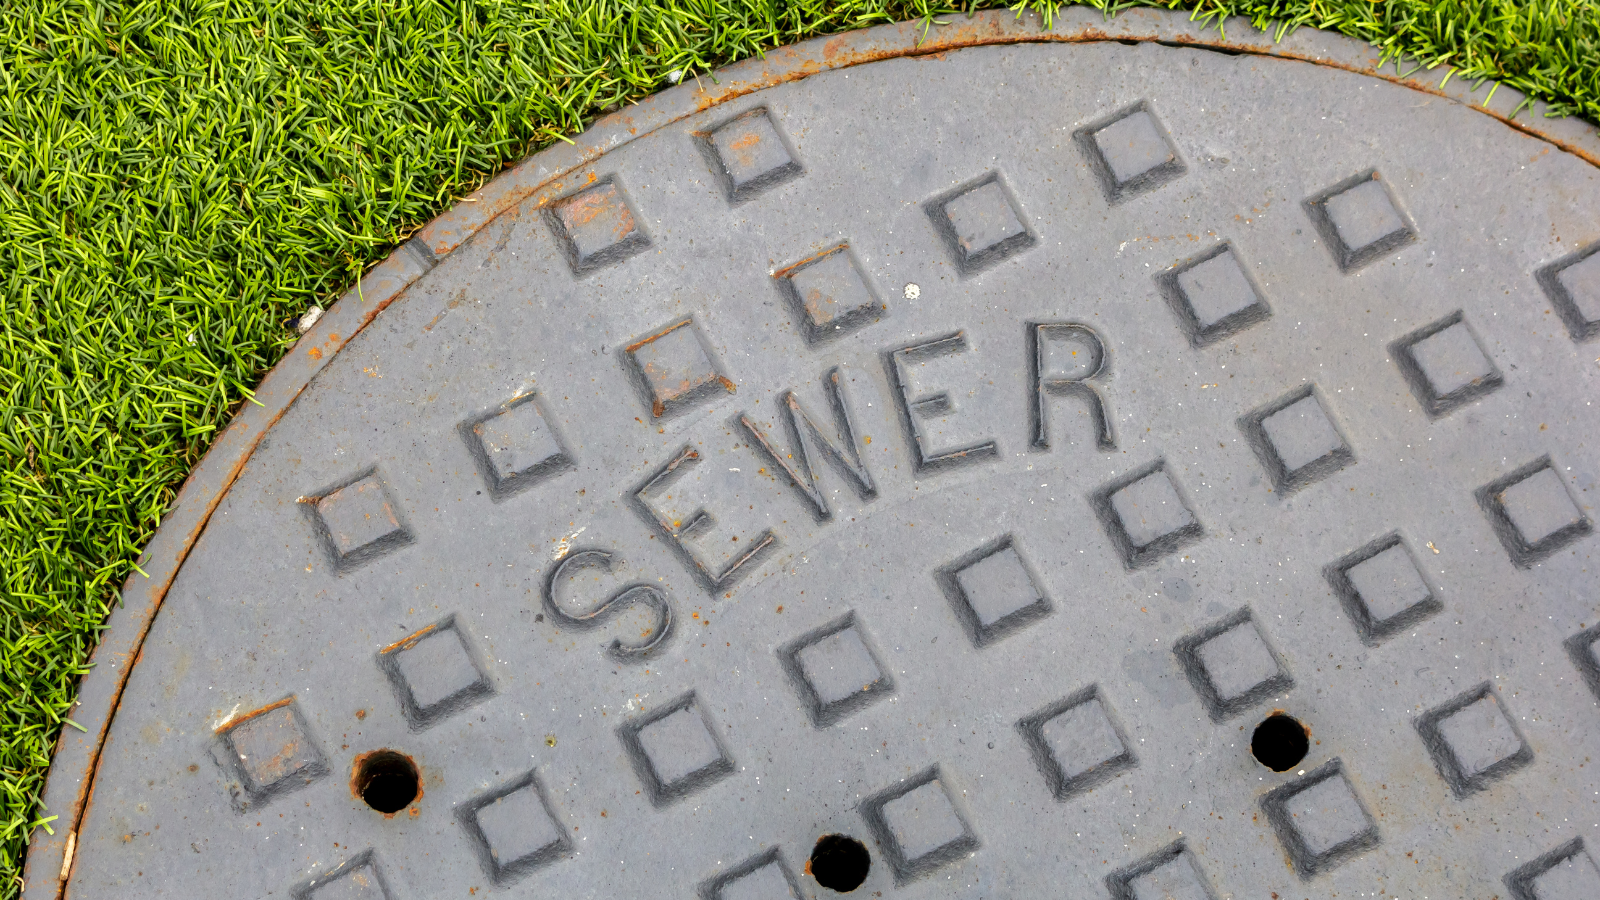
{"points": [[179, 180]]}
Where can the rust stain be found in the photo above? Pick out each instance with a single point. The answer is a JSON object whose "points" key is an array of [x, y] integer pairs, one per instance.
{"points": [[315, 353], [236, 721], [789, 270], [645, 341], [404, 644]]}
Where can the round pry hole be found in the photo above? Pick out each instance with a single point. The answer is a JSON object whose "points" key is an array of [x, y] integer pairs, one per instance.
{"points": [[1280, 742], [386, 780], [839, 862]]}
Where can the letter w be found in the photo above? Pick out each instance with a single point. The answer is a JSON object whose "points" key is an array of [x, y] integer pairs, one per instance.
{"points": [[802, 465]]}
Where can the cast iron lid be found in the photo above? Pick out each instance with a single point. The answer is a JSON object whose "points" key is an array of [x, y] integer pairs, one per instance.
{"points": [[1032, 470]]}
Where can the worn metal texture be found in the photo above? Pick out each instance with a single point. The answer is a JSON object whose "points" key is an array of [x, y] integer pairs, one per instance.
{"points": [[960, 451]]}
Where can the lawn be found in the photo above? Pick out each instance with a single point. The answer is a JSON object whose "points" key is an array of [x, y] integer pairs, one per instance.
{"points": [[178, 180]]}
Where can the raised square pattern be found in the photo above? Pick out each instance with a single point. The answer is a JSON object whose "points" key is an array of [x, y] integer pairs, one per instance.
{"points": [[980, 224], [764, 876], [359, 522], [1360, 220], [1130, 152], [1473, 741], [993, 591], [919, 825], [357, 879], [1533, 513], [831, 294], [1296, 440], [1077, 743], [516, 447], [513, 829], [675, 750], [1171, 873], [1213, 296], [270, 752], [1583, 649], [750, 155], [596, 226], [1382, 589], [1565, 873], [1320, 820], [677, 369], [1446, 365], [836, 670], [434, 673], [1231, 665], [1573, 286], [1145, 515]]}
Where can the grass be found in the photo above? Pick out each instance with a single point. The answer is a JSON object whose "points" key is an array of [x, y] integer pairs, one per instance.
{"points": [[179, 179]]}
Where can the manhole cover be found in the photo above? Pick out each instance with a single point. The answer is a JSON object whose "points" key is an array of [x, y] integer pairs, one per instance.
{"points": [[1034, 470]]}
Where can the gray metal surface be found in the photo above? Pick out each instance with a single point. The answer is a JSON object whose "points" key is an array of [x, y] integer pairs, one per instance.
{"points": [[968, 473]]}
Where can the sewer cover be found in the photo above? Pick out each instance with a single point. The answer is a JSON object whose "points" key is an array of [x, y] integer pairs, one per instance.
{"points": [[959, 456]]}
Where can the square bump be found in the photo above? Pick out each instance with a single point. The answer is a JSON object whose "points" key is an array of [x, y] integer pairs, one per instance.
{"points": [[1171, 873], [272, 750], [679, 745], [1131, 153], [516, 447], [1582, 283], [1301, 434], [831, 295], [360, 522], [1540, 506], [517, 827], [1076, 743], [1473, 740], [1573, 286], [1360, 220], [1145, 515], [1296, 440], [1320, 819], [675, 750], [434, 674], [1133, 145], [993, 591], [356, 879], [513, 830], [596, 226], [980, 224], [1446, 365], [751, 154], [1214, 296], [836, 670], [983, 218], [1231, 665], [1363, 215], [1583, 649], [1565, 873], [764, 876], [1382, 588], [1151, 509], [918, 825], [1389, 583], [1533, 513], [677, 368]]}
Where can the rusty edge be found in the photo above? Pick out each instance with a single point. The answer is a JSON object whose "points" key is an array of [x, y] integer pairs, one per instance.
{"points": [[70, 784], [406, 643], [233, 722], [792, 268]]}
